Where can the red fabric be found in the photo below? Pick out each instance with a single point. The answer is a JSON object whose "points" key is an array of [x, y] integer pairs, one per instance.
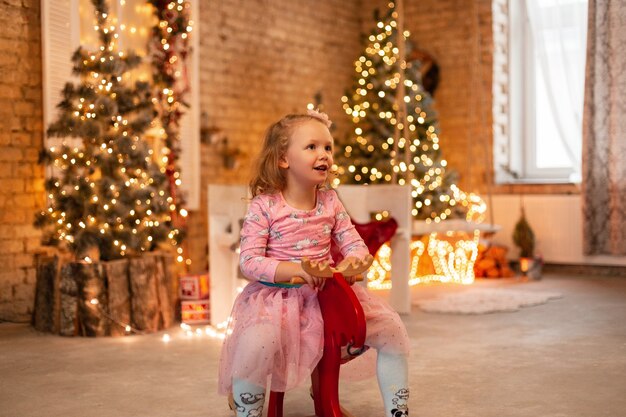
{"points": [[374, 234]]}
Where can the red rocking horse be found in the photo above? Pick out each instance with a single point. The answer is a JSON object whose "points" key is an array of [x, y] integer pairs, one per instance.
{"points": [[344, 325], [344, 322]]}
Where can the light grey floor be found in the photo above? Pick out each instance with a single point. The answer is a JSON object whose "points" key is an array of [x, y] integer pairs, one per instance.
{"points": [[563, 358]]}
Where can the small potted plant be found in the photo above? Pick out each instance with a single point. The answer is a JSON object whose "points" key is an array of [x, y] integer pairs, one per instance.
{"points": [[524, 239]]}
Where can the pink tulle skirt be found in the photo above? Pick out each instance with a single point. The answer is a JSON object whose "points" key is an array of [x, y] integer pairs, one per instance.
{"points": [[276, 336]]}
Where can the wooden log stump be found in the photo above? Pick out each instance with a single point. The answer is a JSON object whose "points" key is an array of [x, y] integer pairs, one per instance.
{"points": [[141, 292], [144, 293], [68, 288], [45, 310], [92, 298], [164, 283], [118, 285], [172, 272]]}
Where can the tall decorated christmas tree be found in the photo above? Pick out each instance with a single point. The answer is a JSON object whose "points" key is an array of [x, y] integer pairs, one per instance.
{"points": [[395, 136], [106, 193]]}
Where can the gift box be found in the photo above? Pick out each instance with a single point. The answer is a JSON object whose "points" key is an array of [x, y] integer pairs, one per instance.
{"points": [[195, 312], [194, 287]]}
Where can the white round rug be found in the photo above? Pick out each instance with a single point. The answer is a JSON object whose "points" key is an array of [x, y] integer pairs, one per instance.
{"points": [[481, 301]]}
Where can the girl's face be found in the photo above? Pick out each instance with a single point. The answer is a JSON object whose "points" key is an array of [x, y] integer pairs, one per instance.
{"points": [[309, 156]]}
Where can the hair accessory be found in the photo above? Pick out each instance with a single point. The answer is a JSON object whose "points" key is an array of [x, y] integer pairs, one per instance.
{"points": [[322, 117]]}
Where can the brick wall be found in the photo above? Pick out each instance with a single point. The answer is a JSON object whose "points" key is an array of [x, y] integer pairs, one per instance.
{"points": [[21, 179], [259, 61]]}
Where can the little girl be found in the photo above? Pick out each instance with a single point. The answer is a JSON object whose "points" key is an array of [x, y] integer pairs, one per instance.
{"points": [[276, 334]]}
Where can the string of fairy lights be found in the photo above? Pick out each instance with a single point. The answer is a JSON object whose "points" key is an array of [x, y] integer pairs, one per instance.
{"points": [[220, 331], [169, 49]]}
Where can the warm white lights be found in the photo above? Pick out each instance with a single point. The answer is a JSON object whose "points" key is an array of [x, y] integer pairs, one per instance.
{"points": [[449, 258]]}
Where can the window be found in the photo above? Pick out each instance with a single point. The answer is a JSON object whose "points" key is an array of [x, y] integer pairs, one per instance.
{"points": [[545, 52]]}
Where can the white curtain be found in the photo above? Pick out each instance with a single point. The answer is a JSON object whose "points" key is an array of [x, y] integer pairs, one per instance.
{"points": [[559, 30]]}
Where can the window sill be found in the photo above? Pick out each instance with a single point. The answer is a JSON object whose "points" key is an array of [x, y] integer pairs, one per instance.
{"points": [[522, 187], [538, 181]]}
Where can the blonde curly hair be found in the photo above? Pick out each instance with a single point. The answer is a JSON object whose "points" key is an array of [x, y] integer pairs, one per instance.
{"points": [[268, 177]]}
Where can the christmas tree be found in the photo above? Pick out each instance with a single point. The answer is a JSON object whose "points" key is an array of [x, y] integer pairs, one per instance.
{"points": [[105, 191], [396, 141]]}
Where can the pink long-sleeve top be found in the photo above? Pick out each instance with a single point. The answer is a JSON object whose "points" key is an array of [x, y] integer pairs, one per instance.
{"points": [[273, 231]]}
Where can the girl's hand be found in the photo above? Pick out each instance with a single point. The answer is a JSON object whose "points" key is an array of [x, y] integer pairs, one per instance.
{"points": [[288, 270], [313, 281]]}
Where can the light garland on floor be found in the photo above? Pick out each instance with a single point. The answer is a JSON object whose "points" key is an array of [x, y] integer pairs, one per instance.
{"points": [[216, 332], [127, 327]]}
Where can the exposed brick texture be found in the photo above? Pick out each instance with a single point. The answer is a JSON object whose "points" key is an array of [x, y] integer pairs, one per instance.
{"points": [[21, 179], [259, 61]]}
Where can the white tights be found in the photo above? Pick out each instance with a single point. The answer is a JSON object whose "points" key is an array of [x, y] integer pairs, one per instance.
{"points": [[393, 382], [248, 398], [392, 373]]}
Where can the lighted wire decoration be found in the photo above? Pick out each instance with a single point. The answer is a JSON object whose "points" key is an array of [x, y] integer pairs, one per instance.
{"points": [[452, 254], [454, 258], [379, 272]]}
